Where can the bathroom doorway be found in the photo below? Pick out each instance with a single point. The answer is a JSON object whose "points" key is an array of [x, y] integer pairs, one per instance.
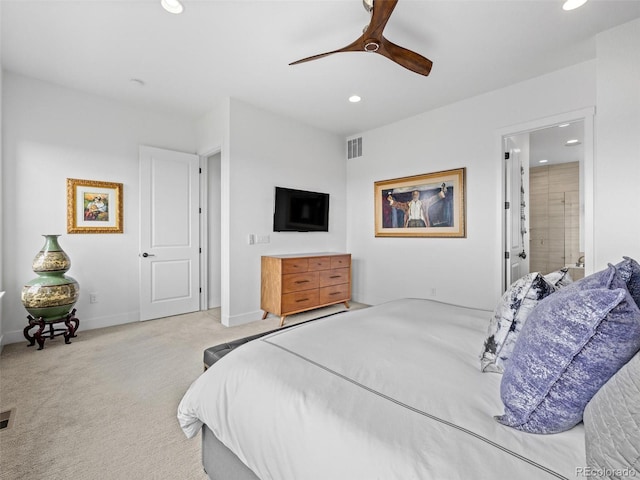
{"points": [[550, 195], [556, 199]]}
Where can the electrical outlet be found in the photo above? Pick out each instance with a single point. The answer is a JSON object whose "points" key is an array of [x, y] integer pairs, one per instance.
{"points": [[433, 292], [251, 239], [263, 239], [93, 297]]}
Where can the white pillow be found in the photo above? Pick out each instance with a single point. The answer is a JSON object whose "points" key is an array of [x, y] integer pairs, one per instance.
{"points": [[510, 315], [559, 278]]}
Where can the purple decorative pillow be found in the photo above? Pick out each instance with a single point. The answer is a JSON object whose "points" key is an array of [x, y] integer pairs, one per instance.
{"points": [[630, 270], [601, 279], [572, 343], [627, 271], [508, 318]]}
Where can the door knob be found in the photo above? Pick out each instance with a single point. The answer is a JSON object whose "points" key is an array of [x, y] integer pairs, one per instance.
{"points": [[145, 255]]}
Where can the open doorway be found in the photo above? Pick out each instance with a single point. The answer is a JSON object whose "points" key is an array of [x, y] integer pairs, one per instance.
{"points": [[548, 188], [211, 293], [556, 199]]}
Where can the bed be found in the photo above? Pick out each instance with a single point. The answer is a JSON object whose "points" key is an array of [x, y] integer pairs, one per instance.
{"points": [[392, 391]]}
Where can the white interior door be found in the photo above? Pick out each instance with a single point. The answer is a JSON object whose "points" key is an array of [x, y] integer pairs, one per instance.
{"points": [[516, 213], [169, 233]]}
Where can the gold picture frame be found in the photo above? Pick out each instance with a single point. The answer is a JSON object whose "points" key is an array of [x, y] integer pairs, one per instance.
{"points": [[428, 205], [94, 206]]}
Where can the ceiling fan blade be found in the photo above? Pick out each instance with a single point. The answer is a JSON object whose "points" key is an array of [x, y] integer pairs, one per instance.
{"points": [[404, 57], [382, 10], [372, 41], [356, 46]]}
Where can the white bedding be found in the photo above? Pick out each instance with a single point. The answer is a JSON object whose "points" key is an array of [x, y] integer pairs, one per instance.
{"points": [[388, 392]]}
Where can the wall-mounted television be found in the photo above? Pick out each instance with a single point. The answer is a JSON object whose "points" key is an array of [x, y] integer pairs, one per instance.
{"points": [[300, 211]]}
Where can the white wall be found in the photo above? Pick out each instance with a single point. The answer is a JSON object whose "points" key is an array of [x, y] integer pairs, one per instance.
{"points": [[617, 160], [266, 150], [51, 134], [466, 134], [1, 197], [212, 129]]}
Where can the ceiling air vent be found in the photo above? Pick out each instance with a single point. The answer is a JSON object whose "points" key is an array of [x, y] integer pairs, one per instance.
{"points": [[354, 148]]}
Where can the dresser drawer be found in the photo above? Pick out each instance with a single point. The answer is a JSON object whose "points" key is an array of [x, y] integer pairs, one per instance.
{"points": [[294, 282], [334, 293], [341, 261], [295, 265], [334, 277], [292, 302], [319, 263]]}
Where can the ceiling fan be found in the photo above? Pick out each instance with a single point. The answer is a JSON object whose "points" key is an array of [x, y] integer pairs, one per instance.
{"points": [[373, 41]]}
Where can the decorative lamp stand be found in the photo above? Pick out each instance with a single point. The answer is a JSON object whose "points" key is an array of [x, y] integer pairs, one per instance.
{"points": [[71, 322]]}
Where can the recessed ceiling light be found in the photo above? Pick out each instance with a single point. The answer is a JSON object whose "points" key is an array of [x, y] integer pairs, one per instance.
{"points": [[572, 143], [354, 99], [562, 125], [172, 6], [543, 161], [573, 4]]}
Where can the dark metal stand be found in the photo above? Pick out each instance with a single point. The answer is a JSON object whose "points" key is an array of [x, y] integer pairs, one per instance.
{"points": [[70, 321]]}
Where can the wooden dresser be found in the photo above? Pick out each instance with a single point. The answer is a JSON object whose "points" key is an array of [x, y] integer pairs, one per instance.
{"points": [[300, 282]]}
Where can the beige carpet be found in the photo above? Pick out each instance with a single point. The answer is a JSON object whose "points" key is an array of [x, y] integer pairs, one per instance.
{"points": [[104, 407]]}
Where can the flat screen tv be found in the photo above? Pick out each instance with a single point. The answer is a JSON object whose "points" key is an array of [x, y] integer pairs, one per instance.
{"points": [[300, 211]]}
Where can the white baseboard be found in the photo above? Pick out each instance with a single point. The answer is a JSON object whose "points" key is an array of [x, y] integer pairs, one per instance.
{"points": [[235, 320], [368, 299], [13, 337], [111, 321], [85, 324]]}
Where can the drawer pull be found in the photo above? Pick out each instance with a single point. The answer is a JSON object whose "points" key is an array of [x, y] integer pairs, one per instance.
{"points": [[302, 281], [334, 293], [335, 276], [302, 300]]}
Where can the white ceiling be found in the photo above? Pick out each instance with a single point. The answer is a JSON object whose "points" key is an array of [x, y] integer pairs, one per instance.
{"points": [[242, 49], [551, 144]]}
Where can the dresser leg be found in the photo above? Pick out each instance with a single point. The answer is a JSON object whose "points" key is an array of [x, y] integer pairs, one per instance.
{"points": [[265, 314], [346, 304], [282, 320]]}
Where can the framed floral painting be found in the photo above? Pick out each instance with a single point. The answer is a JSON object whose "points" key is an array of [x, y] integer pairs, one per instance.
{"points": [[94, 206]]}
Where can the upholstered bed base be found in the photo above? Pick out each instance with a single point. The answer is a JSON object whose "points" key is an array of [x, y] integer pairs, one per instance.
{"points": [[219, 462], [215, 353]]}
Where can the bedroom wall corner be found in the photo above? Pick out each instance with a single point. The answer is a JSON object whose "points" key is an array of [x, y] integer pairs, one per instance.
{"points": [[51, 133], [268, 150], [467, 270]]}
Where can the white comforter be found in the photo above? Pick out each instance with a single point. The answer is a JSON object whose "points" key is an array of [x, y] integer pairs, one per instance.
{"points": [[388, 392]]}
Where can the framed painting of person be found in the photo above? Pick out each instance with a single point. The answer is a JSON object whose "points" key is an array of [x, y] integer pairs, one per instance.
{"points": [[427, 205]]}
